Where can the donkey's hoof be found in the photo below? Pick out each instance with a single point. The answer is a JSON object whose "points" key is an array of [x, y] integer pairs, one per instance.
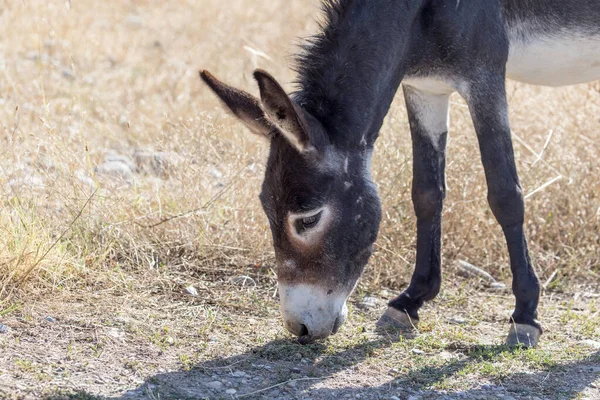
{"points": [[397, 319], [522, 334]]}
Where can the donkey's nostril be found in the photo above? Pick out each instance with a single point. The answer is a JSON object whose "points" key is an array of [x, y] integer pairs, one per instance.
{"points": [[303, 330]]}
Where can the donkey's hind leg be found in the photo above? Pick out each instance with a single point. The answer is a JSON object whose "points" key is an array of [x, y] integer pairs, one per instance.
{"points": [[487, 103], [428, 117]]}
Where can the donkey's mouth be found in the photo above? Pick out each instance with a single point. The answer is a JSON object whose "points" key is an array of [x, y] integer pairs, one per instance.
{"points": [[306, 338]]}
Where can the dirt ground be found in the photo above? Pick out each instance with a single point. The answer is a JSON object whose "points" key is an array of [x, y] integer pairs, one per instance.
{"points": [[172, 345]]}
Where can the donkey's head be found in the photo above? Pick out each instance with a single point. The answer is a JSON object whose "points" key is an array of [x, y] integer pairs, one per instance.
{"points": [[322, 206]]}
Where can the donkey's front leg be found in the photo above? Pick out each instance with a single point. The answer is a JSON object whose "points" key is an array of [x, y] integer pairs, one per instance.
{"points": [[428, 117], [487, 103]]}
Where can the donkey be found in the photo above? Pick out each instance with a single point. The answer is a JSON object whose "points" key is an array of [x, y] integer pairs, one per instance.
{"points": [[322, 205]]}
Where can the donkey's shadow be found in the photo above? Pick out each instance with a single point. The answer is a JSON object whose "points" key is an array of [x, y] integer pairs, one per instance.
{"points": [[285, 369]]}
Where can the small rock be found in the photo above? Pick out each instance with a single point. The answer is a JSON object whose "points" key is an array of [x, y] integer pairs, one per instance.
{"points": [[417, 351], [590, 343], [191, 290], [297, 356], [121, 319], [368, 302], [240, 374], [124, 122], [215, 385], [508, 397], [292, 384], [115, 332], [231, 391], [117, 158], [115, 169], [445, 355], [50, 319], [394, 398], [170, 340], [155, 163], [498, 286], [413, 398], [457, 321], [4, 329], [216, 173]]}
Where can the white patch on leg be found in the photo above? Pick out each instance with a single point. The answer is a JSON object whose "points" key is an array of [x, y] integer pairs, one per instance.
{"points": [[429, 101], [313, 306]]}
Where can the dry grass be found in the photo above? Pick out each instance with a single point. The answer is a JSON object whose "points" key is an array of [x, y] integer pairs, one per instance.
{"points": [[84, 79]]}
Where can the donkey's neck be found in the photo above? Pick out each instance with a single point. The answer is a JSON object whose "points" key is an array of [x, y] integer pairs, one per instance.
{"points": [[350, 72]]}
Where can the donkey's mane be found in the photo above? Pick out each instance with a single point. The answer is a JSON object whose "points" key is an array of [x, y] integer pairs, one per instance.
{"points": [[313, 61]]}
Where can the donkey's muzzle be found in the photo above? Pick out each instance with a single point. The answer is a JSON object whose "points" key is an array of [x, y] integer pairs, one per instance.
{"points": [[311, 312]]}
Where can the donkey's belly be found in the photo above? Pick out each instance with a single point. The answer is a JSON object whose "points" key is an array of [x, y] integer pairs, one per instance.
{"points": [[554, 60]]}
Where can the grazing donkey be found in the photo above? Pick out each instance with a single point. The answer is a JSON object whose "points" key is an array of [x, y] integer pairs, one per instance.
{"points": [[318, 195]]}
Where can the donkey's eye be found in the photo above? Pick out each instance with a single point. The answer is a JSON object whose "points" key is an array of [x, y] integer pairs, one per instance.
{"points": [[309, 222]]}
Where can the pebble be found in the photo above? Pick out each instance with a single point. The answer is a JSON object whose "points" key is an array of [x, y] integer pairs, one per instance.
{"points": [[417, 351], [155, 163], [498, 286], [240, 374], [216, 385], [413, 398], [191, 290], [457, 321], [4, 329], [115, 169], [50, 319], [369, 302], [123, 121], [231, 391], [117, 158], [394, 398], [508, 397]]}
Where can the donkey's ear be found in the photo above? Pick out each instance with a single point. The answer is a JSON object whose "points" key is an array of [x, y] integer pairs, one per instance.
{"points": [[245, 106], [283, 111]]}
